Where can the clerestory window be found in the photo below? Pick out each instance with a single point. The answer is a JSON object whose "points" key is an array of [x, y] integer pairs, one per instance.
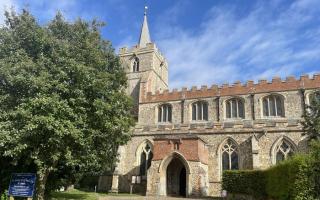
{"points": [[314, 98], [235, 108], [273, 105], [165, 113], [200, 111]]}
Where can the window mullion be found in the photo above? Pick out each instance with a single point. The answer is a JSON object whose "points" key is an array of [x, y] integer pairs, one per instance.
{"points": [[167, 108], [197, 117], [202, 107], [162, 114]]}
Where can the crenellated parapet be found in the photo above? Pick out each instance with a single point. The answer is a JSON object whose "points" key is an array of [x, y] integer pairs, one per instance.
{"points": [[137, 49], [263, 86]]}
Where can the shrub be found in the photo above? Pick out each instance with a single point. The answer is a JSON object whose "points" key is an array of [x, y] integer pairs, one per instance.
{"points": [[245, 182], [294, 179], [289, 179]]}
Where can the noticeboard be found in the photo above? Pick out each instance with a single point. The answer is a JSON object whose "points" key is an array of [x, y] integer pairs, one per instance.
{"points": [[22, 185]]}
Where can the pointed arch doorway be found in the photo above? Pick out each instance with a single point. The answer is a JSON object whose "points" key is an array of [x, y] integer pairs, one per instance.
{"points": [[174, 176]]}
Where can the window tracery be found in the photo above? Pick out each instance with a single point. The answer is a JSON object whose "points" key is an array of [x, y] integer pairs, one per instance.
{"points": [[230, 156], [283, 151], [145, 158]]}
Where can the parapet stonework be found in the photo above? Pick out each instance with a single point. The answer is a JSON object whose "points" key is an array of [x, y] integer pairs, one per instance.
{"points": [[195, 147], [263, 86], [184, 139]]}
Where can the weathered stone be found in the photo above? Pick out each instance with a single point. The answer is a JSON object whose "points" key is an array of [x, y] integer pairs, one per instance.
{"points": [[197, 146]]}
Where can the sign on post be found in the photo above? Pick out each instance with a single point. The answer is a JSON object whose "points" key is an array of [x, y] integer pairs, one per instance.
{"points": [[22, 185]]}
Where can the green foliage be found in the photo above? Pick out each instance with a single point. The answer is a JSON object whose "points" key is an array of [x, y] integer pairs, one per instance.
{"points": [[289, 179], [252, 182], [4, 195], [315, 166], [311, 123], [293, 179], [62, 97]]}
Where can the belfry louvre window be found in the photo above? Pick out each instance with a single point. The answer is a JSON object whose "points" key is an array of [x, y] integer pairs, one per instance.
{"points": [[135, 64], [230, 158], [165, 113], [200, 111], [235, 108], [273, 106]]}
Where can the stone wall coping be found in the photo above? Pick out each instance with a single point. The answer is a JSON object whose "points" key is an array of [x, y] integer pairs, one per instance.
{"points": [[196, 132], [224, 125], [263, 86]]}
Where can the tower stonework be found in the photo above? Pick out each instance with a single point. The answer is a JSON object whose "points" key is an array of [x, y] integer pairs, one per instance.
{"points": [[145, 66], [185, 138]]}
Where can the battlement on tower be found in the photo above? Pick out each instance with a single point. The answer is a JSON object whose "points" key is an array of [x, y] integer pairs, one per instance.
{"points": [[137, 49], [263, 86]]}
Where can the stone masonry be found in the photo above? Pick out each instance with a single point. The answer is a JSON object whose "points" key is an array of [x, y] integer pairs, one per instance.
{"points": [[185, 156]]}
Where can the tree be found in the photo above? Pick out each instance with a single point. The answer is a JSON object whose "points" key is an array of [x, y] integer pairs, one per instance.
{"points": [[311, 123], [62, 96]]}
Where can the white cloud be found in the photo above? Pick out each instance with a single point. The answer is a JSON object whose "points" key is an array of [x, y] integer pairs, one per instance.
{"points": [[46, 10], [5, 5], [268, 41]]}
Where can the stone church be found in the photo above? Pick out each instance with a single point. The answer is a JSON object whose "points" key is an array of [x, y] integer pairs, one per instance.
{"points": [[184, 139]]}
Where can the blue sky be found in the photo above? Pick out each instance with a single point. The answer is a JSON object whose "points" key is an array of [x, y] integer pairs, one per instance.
{"points": [[207, 41]]}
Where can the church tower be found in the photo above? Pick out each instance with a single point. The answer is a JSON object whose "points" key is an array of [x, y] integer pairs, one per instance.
{"points": [[145, 66]]}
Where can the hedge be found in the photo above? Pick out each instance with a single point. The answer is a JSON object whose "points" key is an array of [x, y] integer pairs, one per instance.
{"points": [[294, 179], [245, 182]]}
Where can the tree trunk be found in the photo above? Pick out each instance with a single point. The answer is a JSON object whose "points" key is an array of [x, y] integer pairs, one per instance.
{"points": [[42, 181]]}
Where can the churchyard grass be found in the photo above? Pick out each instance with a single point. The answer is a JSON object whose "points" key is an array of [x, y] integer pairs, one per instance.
{"points": [[83, 195]]}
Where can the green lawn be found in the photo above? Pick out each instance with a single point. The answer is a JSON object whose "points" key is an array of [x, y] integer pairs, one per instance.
{"points": [[78, 194], [75, 194]]}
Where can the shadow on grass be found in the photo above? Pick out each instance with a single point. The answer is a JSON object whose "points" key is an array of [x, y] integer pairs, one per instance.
{"points": [[73, 194]]}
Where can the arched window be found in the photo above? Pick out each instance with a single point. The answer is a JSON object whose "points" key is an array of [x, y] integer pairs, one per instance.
{"points": [[145, 156], [235, 108], [135, 64], [314, 98], [229, 154], [273, 105], [283, 150], [200, 110], [165, 113]]}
